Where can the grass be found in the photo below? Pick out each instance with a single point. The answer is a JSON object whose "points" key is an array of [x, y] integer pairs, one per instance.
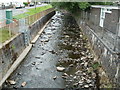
{"points": [[4, 35], [32, 11]]}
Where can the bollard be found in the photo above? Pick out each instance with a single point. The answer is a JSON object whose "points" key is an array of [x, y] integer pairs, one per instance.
{"points": [[9, 16]]}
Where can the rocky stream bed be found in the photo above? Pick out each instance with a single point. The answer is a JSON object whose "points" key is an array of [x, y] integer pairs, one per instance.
{"points": [[61, 58]]}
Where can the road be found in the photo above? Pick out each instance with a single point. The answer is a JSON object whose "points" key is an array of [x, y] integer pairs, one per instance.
{"points": [[16, 11], [61, 45]]}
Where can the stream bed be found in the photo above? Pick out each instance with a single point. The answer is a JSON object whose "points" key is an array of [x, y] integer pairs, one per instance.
{"points": [[60, 58]]}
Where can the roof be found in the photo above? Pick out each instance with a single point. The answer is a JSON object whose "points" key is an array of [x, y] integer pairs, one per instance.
{"points": [[103, 6]]}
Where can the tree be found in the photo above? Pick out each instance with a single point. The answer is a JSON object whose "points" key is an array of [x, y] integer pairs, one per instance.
{"points": [[83, 5], [74, 6]]}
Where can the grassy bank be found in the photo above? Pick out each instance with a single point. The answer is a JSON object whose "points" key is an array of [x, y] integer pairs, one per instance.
{"points": [[32, 11], [4, 35]]}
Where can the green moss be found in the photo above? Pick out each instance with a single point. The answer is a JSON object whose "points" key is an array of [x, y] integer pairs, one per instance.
{"points": [[108, 86], [32, 11], [96, 65], [13, 47]]}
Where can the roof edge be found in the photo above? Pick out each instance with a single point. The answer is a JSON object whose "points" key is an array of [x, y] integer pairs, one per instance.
{"points": [[105, 6]]}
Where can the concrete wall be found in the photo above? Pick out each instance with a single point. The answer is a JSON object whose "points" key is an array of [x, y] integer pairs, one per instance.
{"points": [[11, 49], [39, 24], [9, 53], [109, 30], [110, 22], [107, 56]]}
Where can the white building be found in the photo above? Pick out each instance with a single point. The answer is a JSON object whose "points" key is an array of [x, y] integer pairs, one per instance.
{"points": [[8, 1]]}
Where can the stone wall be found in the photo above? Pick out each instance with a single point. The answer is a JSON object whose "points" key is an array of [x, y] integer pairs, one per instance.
{"points": [[107, 56], [11, 49]]}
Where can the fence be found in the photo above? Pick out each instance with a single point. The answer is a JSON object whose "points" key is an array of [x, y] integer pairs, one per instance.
{"points": [[20, 25], [7, 31], [31, 19], [12, 49]]}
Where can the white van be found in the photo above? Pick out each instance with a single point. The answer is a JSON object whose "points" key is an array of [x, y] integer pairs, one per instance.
{"points": [[19, 5]]}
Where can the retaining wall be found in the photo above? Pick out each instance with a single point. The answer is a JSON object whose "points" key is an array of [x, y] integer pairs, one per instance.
{"points": [[9, 53], [39, 24], [11, 49], [109, 59]]}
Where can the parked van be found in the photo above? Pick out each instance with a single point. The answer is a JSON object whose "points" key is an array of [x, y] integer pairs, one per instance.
{"points": [[31, 4], [19, 5]]}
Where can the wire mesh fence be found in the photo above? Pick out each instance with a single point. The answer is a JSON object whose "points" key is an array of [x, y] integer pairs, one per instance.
{"points": [[7, 31], [31, 19], [16, 26]]}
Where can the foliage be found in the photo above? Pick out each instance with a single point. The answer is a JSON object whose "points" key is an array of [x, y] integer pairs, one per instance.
{"points": [[96, 65], [101, 3], [13, 47], [73, 6], [25, 3], [83, 5], [70, 6], [32, 11]]}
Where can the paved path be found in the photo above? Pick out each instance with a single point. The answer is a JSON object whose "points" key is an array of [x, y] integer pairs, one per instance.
{"points": [[16, 11]]}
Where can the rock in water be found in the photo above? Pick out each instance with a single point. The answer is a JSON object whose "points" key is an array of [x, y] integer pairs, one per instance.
{"points": [[89, 81], [86, 86], [60, 69], [71, 65], [80, 82], [65, 74], [23, 84], [33, 63], [64, 77], [75, 84], [12, 82], [55, 77]]}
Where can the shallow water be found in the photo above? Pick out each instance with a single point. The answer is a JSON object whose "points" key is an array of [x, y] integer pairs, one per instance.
{"points": [[60, 44]]}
